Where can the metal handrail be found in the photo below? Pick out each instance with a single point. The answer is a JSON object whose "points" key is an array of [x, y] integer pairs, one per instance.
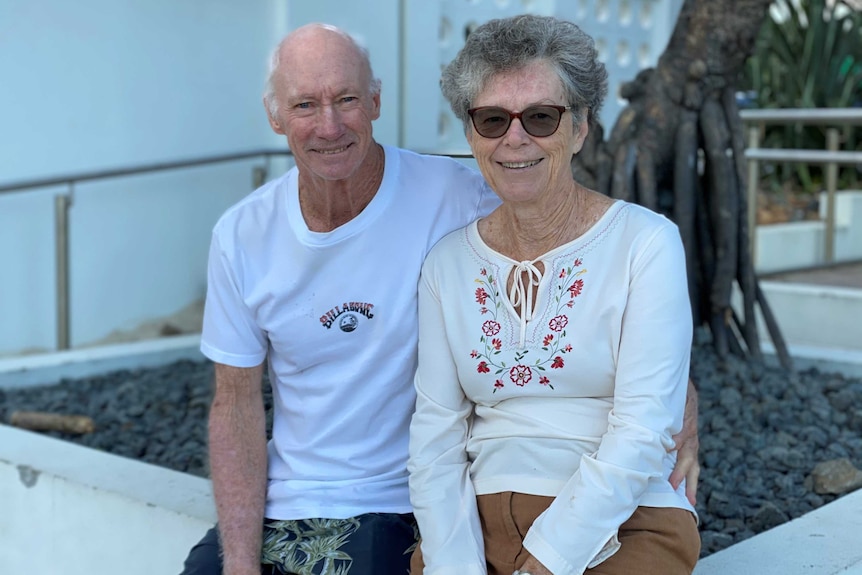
{"points": [[810, 116], [832, 157], [63, 201], [136, 170], [806, 156]]}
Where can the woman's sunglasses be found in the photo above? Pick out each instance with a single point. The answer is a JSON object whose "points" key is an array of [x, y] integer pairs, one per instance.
{"points": [[538, 121]]}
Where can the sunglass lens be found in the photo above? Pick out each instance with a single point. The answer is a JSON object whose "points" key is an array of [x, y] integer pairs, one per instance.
{"points": [[540, 121], [491, 122]]}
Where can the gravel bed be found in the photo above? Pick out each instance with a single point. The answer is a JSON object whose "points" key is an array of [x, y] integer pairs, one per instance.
{"points": [[762, 431]]}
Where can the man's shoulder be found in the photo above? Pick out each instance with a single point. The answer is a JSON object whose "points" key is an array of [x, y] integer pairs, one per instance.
{"points": [[436, 166], [259, 203]]}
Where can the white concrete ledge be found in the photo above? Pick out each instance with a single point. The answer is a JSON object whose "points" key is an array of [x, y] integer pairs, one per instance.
{"points": [[795, 245], [811, 317], [828, 360], [50, 368], [74, 510], [825, 541]]}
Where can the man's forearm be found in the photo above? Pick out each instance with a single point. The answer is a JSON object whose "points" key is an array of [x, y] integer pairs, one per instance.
{"points": [[237, 448]]}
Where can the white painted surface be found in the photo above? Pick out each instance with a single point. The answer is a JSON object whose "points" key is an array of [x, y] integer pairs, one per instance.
{"points": [[50, 368], [796, 245], [70, 510], [813, 316], [845, 361], [825, 541], [99, 84]]}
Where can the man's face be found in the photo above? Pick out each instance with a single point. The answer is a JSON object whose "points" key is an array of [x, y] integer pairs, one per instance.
{"points": [[324, 105]]}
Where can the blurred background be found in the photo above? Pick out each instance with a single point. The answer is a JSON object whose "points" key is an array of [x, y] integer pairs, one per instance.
{"points": [[129, 126]]}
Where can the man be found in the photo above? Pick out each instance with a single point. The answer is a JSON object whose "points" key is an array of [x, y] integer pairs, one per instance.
{"points": [[316, 272]]}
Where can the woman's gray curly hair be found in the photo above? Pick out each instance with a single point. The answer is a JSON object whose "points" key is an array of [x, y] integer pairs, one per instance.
{"points": [[508, 44]]}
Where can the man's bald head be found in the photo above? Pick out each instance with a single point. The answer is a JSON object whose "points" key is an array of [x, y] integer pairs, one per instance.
{"points": [[313, 39]]}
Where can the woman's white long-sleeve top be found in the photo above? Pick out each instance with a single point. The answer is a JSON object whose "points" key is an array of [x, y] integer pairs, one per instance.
{"points": [[577, 400]]}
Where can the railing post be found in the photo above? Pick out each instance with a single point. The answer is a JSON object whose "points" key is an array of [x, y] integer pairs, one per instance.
{"points": [[258, 177], [832, 142], [61, 251], [753, 181]]}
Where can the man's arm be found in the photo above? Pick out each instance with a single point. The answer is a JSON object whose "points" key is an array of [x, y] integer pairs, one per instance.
{"points": [[687, 443], [237, 449]]}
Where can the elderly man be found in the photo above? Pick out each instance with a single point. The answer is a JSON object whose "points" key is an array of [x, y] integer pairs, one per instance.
{"points": [[316, 273]]}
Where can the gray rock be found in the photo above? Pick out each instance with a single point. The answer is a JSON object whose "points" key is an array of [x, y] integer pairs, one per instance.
{"points": [[837, 476], [769, 515]]}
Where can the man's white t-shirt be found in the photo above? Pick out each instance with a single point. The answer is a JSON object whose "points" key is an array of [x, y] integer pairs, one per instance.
{"points": [[336, 315]]}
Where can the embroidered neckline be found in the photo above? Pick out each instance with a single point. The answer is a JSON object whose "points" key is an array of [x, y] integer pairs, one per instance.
{"points": [[570, 285]]}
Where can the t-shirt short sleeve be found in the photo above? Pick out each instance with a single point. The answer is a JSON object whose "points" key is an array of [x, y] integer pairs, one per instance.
{"points": [[230, 333]]}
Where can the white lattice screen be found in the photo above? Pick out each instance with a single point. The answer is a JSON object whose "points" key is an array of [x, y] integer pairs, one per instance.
{"points": [[630, 35]]}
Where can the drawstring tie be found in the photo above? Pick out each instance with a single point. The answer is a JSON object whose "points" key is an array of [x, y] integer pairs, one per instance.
{"points": [[522, 295]]}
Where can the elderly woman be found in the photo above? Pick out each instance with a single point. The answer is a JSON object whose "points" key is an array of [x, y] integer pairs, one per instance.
{"points": [[554, 340]]}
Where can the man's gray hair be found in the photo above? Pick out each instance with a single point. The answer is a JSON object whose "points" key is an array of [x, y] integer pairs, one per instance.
{"points": [[275, 60], [508, 44]]}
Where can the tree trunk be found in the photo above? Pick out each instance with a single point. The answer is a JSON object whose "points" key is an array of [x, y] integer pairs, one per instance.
{"points": [[678, 149]]}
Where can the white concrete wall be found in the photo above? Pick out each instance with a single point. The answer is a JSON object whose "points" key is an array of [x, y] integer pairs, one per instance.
{"points": [[70, 510], [815, 316], [100, 84], [796, 245]]}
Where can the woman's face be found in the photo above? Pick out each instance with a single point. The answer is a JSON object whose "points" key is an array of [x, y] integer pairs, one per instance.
{"points": [[518, 166]]}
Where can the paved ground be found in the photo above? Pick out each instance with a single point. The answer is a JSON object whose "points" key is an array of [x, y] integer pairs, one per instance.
{"points": [[842, 275]]}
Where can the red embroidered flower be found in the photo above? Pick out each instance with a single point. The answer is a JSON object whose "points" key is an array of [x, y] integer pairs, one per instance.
{"points": [[482, 367], [558, 323], [497, 385], [484, 310], [491, 327], [568, 348], [563, 273], [474, 354], [521, 375], [558, 362], [544, 380], [496, 343], [484, 272], [575, 288], [571, 303], [578, 262], [481, 295], [548, 339]]}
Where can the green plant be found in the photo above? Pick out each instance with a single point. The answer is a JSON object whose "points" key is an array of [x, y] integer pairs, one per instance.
{"points": [[808, 55]]}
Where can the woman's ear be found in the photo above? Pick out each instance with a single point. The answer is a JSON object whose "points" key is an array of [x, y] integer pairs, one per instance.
{"points": [[582, 131]]}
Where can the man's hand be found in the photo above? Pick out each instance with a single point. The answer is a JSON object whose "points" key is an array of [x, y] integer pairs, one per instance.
{"points": [[687, 443]]}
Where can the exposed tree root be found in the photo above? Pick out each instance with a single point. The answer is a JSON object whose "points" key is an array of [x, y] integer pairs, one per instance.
{"points": [[678, 148]]}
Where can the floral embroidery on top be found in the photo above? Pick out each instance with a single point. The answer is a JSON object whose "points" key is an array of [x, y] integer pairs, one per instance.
{"points": [[522, 372]]}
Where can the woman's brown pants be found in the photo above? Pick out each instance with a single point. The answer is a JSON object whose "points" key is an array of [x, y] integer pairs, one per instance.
{"points": [[654, 540]]}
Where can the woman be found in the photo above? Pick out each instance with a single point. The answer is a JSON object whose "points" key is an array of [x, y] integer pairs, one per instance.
{"points": [[554, 340]]}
